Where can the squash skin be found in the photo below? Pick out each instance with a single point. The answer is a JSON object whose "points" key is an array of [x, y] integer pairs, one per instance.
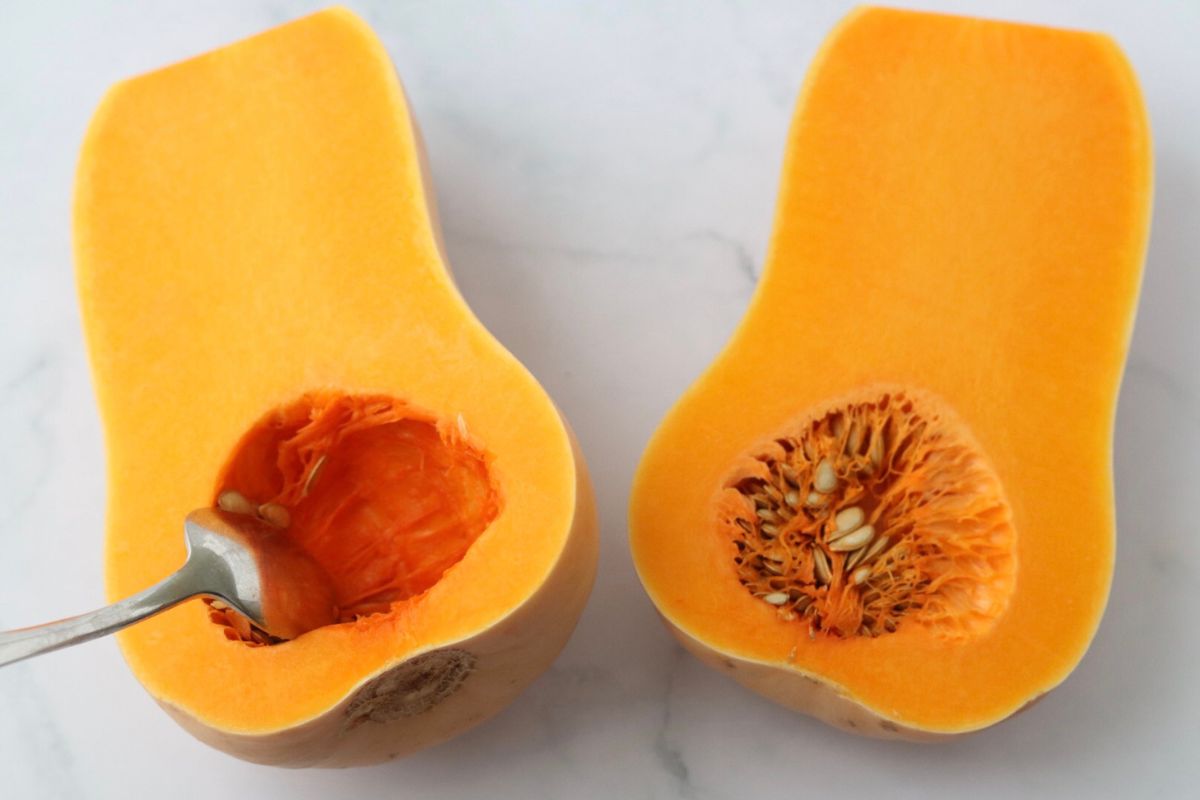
{"points": [[505, 653], [704, 608], [803, 692]]}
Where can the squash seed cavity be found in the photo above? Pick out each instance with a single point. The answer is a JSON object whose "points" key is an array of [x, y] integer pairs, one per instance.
{"points": [[385, 497], [876, 512]]}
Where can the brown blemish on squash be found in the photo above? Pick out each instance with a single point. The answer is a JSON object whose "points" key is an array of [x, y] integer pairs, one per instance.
{"points": [[411, 688], [889, 726], [874, 511], [384, 496]]}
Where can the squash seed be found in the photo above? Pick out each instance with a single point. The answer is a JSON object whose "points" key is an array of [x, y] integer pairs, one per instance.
{"points": [[855, 440], [861, 574], [789, 475], [853, 540], [275, 515], [312, 475], [821, 566], [849, 519], [854, 558], [767, 515], [875, 452], [776, 598], [235, 503], [876, 548], [825, 480]]}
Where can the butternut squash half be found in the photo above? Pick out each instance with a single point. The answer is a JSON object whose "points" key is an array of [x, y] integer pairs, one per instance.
{"points": [[888, 503], [272, 324]]}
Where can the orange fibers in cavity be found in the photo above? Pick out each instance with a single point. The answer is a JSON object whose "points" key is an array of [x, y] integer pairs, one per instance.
{"points": [[381, 495], [875, 511]]}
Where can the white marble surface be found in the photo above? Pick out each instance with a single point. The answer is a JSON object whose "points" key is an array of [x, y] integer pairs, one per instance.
{"points": [[606, 175]]}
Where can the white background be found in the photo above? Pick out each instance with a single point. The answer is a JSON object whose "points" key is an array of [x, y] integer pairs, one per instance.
{"points": [[607, 175]]}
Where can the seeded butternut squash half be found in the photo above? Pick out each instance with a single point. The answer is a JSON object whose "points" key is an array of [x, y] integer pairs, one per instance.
{"points": [[273, 329], [888, 503]]}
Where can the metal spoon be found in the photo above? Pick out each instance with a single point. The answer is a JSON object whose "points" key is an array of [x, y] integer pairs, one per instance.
{"points": [[237, 559]]}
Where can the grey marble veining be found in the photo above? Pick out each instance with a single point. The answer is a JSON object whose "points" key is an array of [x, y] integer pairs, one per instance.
{"points": [[606, 174]]}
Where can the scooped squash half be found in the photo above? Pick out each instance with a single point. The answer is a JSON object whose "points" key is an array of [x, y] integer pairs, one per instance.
{"points": [[271, 322], [888, 502]]}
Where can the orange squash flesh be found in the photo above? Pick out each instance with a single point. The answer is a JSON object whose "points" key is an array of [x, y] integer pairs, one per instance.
{"points": [[963, 214], [263, 288]]}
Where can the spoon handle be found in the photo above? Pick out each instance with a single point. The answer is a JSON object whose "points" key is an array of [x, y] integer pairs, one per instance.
{"points": [[25, 642]]}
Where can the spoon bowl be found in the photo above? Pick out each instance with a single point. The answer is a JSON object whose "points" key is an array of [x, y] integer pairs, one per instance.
{"points": [[236, 558], [256, 569]]}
